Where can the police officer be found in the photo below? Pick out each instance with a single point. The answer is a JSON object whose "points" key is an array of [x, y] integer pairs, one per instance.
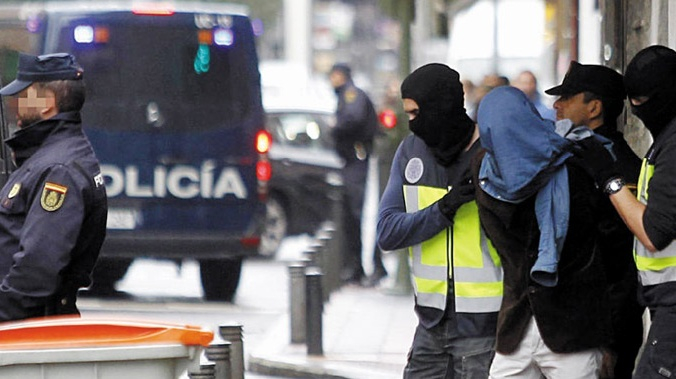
{"points": [[355, 129], [593, 95], [650, 81], [428, 206], [53, 207]]}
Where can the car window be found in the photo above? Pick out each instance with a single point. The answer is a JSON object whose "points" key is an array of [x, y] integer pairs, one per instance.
{"points": [[309, 130]]}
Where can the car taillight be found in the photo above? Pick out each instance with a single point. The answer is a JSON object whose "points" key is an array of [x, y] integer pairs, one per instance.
{"points": [[263, 142], [263, 166], [388, 118], [263, 170]]}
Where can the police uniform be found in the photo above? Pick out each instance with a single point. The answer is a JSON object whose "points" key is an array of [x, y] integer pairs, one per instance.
{"points": [[52, 210], [356, 125]]}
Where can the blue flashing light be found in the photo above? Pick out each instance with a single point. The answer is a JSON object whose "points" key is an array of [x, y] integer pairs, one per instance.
{"points": [[202, 59], [258, 27], [224, 37], [83, 34], [33, 24]]}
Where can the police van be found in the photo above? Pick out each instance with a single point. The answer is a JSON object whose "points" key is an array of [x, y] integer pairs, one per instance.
{"points": [[174, 113]]}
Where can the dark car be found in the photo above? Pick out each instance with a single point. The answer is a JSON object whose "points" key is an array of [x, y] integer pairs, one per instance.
{"points": [[305, 169]]}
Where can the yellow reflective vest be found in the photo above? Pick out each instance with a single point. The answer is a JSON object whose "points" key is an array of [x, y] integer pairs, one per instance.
{"points": [[475, 268], [658, 267]]}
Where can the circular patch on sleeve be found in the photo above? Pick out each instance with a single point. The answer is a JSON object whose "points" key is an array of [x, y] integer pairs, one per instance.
{"points": [[414, 170]]}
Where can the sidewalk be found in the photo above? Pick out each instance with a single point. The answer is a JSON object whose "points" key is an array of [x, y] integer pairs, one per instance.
{"points": [[366, 334]]}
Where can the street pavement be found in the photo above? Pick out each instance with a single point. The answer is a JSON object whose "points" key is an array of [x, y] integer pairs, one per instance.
{"points": [[366, 335]]}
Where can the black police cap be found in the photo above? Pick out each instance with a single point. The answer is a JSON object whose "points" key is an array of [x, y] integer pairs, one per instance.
{"points": [[43, 68], [343, 68], [600, 80]]}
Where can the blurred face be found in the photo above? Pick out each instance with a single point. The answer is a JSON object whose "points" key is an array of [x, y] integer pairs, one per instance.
{"points": [[526, 83], [574, 108], [337, 78], [411, 108], [32, 105]]}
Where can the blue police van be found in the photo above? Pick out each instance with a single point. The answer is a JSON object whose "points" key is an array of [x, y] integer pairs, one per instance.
{"points": [[174, 113]]}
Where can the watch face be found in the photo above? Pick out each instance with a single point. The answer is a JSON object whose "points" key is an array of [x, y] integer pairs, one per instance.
{"points": [[614, 186]]}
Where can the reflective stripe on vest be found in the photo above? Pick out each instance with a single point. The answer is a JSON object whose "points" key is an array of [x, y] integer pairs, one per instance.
{"points": [[658, 267], [476, 266]]}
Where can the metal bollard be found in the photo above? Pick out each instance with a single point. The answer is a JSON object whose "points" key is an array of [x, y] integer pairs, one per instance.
{"points": [[324, 238], [315, 307], [219, 353], [297, 302], [332, 257], [207, 370], [318, 248], [312, 256], [233, 333]]}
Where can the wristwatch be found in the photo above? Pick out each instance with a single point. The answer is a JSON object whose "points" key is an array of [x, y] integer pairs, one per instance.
{"points": [[614, 186]]}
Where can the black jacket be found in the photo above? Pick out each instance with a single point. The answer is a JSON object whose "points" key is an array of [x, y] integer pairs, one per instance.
{"points": [[356, 122], [573, 315], [53, 213]]}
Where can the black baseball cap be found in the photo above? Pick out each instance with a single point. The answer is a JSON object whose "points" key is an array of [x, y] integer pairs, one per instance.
{"points": [[600, 80], [43, 68]]}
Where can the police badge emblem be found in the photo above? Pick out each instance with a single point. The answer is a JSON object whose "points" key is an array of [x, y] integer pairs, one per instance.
{"points": [[350, 95], [53, 196]]}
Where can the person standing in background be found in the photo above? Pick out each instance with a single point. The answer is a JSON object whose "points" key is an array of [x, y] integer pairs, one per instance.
{"points": [[354, 133], [528, 84]]}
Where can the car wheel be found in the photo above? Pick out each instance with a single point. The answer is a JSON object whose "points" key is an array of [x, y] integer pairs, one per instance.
{"points": [[220, 278], [276, 228]]}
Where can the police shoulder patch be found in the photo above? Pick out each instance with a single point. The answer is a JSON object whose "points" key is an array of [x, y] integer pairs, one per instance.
{"points": [[414, 170], [350, 95], [53, 195]]}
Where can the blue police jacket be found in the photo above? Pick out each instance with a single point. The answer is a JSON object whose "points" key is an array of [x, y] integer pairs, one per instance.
{"points": [[53, 212], [356, 121]]}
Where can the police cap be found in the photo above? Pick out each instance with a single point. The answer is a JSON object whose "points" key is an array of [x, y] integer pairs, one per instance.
{"points": [[599, 80], [43, 68]]}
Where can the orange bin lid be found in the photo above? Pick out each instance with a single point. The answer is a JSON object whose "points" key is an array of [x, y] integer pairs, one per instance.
{"points": [[72, 332]]}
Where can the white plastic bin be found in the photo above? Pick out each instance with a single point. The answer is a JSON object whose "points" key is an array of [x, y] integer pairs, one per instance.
{"points": [[75, 348]]}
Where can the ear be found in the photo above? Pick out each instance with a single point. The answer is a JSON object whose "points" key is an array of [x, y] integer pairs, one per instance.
{"points": [[50, 109], [595, 108]]}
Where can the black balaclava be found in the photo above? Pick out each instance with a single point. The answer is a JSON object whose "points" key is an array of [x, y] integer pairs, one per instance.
{"points": [[652, 73], [442, 121]]}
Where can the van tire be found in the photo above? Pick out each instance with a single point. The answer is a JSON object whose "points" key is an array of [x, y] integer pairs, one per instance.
{"points": [[220, 278]]}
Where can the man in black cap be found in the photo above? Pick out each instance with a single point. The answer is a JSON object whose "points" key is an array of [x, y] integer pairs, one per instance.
{"points": [[428, 207], [650, 81], [355, 129], [593, 96], [53, 207]]}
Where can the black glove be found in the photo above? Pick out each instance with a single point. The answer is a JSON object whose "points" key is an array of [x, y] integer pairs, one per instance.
{"points": [[596, 160], [461, 192]]}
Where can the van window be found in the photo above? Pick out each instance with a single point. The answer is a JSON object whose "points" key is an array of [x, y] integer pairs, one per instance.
{"points": [[163, 73]]}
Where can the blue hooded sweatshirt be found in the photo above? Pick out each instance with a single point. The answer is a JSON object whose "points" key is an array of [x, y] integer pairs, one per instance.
{"points": [[524, 156]]}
